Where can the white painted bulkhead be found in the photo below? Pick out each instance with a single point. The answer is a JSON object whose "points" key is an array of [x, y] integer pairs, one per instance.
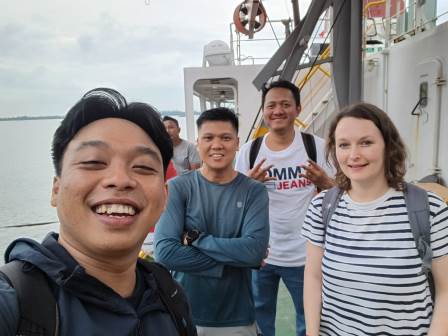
{"points": [[248, 98], [392, 81]]}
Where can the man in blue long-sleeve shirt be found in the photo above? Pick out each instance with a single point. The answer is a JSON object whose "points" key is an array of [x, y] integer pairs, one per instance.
{"points": [[214, 230]]}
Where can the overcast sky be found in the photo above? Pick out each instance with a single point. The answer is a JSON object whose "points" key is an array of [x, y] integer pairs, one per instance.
{"points": [[53, 51]]}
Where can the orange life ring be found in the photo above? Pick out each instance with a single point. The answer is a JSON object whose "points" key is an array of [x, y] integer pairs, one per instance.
{"points": [[242, 17]]}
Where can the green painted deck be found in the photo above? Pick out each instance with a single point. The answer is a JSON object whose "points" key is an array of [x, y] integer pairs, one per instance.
{"points": [[285, 321]]}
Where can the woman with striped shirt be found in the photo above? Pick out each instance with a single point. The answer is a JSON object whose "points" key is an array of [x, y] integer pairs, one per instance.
{"points": [[363, 271]]}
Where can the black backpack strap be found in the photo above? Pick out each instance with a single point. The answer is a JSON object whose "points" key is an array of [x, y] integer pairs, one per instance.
{"points": [[329, 205], [310, 145], [254, 149], [308, 142], [173, 296], [38, 307]]}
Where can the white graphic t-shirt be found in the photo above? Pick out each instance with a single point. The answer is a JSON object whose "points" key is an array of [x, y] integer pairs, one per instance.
{"points": [[289, 196]]}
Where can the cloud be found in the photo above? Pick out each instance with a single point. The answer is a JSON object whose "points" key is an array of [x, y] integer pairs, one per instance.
{"points": [[108, 54], [65, 48]]}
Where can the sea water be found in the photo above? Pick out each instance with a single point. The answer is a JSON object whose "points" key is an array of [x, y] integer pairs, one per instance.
{"points": [[25, 180]]}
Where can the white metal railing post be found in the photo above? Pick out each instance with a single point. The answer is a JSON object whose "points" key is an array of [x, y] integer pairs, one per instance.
{"points": [[415, 15], [388, 25], [231, 43]]}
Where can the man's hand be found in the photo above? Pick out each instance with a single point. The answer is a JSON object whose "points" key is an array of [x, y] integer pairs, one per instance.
{"points": [[260, 174], [184, 239], [317, 175], [263, 262]]}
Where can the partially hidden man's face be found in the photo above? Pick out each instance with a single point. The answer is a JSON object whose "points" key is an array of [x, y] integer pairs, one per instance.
{"points": [[111, 189], [172, 129], [280, 109], [217, 144]]}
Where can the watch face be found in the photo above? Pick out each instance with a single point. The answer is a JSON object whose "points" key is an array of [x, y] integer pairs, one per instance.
{"points": [[192, 236]]}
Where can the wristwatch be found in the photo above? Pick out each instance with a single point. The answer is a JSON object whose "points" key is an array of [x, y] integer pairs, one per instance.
{"points": [[191, 236]]}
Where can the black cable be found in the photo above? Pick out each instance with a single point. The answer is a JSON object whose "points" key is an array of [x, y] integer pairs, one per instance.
{"points": [[27, 225], [326, 37], [307, 53], [272, 28], [419, 103], [253, 124]]}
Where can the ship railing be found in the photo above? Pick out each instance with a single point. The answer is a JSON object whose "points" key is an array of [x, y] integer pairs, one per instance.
{"points": [[244, 48], [421, 26], [316, 121], [410, 18]]}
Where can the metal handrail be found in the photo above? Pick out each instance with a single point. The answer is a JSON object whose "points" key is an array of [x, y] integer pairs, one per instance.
{"points": [[318, 110], [315, 68], [373, 4], [310, 96], [236, 42], [299, 123], [410, 31], [413, 30]]}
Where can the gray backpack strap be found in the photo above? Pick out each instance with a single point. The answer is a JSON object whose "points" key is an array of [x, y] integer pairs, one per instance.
{"points": [[38, 307], [329, 204], [417, 204]]}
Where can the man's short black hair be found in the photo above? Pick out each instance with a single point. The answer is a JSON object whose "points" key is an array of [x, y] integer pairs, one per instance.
{"points": [[104, 103], [218, 114], [281, 84], [168, 118]]}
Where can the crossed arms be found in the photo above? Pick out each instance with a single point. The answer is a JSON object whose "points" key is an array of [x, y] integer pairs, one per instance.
{"points": [[209, 254]]}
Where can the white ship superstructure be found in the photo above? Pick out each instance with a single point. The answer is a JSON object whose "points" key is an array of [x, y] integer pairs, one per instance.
{"points": [[397, 60]]}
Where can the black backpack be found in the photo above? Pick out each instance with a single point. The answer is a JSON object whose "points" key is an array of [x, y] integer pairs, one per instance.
{"points": [[173, 296], [417, 204], [38, 308], [308, 141]]}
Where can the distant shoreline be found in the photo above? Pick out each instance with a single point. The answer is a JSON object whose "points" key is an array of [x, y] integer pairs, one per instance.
{"points": [[29, 118], [20, 118]]}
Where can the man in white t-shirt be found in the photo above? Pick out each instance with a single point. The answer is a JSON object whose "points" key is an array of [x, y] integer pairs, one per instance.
{"points": [[284, 165], [185, 154]]}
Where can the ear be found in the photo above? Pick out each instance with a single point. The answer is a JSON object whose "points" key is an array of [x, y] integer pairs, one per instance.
{"points": [[299, 109], [55, 191], [237, 142]]}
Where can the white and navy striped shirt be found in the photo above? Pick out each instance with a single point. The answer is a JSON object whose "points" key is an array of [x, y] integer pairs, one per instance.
{"points": [[371, 270]]}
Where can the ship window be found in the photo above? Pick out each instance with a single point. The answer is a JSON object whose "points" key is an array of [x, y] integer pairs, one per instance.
{"points": [[423, 94]]}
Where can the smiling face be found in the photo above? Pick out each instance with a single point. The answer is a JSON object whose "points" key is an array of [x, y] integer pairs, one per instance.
{"points": [[360, 152], [280, 109], [111, 189], [217, 144]]}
